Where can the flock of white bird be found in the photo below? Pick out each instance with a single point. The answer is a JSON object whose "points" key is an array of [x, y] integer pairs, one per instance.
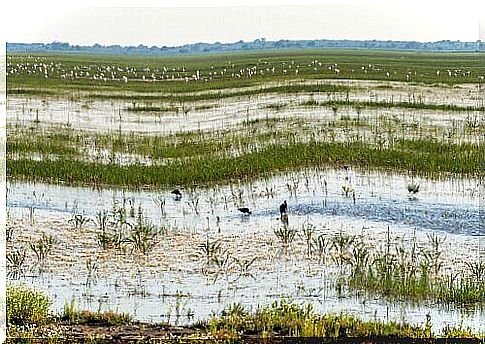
{"points": [[39, 65]]}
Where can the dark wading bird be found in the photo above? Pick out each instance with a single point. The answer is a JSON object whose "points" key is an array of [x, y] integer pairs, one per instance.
{"points": [[413, 189], [284, 213], [245, 211], [177, 193], [283, 208]]}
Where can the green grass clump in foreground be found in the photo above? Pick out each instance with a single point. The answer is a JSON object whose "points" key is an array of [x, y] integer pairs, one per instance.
{"points": [[26, 306], [424, 156], [285, 318]]}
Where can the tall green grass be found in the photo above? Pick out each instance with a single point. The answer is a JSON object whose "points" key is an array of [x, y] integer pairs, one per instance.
{"points": [[282, 320], [423, 156], [412, 275]]}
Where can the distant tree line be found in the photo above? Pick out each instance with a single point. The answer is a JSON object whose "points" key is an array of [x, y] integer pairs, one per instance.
{"points": [[258, 44]]}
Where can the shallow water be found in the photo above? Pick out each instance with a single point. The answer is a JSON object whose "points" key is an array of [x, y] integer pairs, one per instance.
{"points": [[148, 287], [153, 297], [112, 115], [449, 205]]}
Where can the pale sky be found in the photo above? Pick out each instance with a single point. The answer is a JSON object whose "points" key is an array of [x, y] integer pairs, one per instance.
{"points": [[179, 22]]}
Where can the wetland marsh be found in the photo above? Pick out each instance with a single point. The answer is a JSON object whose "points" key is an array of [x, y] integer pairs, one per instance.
{"points": [[377, 154]]}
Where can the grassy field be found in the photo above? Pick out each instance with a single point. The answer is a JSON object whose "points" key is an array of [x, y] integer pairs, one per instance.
{"points": [[48, 74]]}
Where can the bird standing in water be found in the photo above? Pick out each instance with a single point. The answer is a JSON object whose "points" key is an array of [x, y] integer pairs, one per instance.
{"points": [[283, 208], [284, 213], [245, 211], [177, 193]]}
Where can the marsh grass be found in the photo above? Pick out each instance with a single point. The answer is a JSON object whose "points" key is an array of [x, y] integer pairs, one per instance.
{"points": [[287, 319], [83, 317], [476, 270], [395, 272], [102, 222], [410, 272], [342, 245], [160, 203], [16, 260], [283, 320], [418, 105], [211, 251], [348, 191], [276, 106], [321, 247], [193, 97], [42, 247], [308, 232], [79, 220], [152, 108], [116, 231], [9, 233], [286, 235], [48, 144], [425, 156], [143, 235], [382, 144], [245, 265], [91, 269], [26, 306]]}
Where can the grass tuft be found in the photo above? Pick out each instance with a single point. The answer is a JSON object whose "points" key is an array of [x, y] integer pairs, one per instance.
{"points": [[27, 306]]}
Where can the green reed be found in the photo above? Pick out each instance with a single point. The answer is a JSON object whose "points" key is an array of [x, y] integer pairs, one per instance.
{"points": [[422, 156]]}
